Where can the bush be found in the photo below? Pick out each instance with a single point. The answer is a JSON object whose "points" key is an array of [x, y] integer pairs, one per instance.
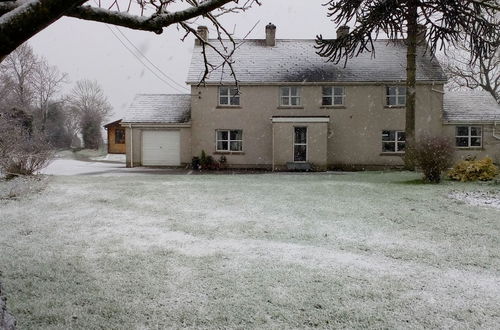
{"points": [[433, 155], [22, 152], [204, 162], [473, 170]]}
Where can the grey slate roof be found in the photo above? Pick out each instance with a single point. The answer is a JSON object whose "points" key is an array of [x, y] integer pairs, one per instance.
{"points": [[470, 106], [159, 108], [297, 61]]}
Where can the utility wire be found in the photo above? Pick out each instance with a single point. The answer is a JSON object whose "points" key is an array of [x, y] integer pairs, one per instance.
{"points": [[149, 61], [144, 64]]}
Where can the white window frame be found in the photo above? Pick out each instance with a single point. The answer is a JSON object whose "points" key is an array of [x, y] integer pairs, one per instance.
{"points": [[300, 144], [400, 92], [469, 136], [395, 141], [330, 93], [228, 97], [289, 96], [229, 140]]}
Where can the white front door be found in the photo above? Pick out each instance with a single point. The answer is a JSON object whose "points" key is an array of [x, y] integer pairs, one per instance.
{"points": [[161, 148]]}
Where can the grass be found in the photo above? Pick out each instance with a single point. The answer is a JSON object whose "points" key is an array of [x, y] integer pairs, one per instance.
{"points": [[360, 250]]}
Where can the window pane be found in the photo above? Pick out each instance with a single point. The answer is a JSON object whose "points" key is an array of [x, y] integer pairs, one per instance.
{"points": [[285, 101], [401, 100], [284, 91], [475, 131], [221, 135], [236, 134], [223, 100], [327, 100], [401, 136], [300, 134], [235, 100], [223, 91], [475, 142], [338, 100], [294, 91], [300, 153], [388, 147], [236, 146], [391, 91], [327, 91], [222, 145], [234, 91], [401, 146], [295, 101], [402, 91], [339, 91], [119, 136], [388, 135], [391, 100], [462, 131], [462, 142]]}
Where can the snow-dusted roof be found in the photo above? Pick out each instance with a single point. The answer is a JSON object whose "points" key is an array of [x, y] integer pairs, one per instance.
{"points": [[470, 106], [159, 108], [297, 61]]}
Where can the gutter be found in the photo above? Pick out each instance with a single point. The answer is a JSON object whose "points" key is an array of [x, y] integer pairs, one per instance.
{"points": [[131, 146]]}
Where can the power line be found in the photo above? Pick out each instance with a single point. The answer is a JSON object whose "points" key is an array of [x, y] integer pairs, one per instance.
{"points": [[144, 64], [149, 61]]}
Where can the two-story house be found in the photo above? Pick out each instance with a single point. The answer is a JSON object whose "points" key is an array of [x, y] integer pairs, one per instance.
{"points": [[294, 108]]}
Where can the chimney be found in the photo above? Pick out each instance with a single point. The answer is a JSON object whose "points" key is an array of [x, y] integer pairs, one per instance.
{"points": [[203, 33], [342, 31], [421, 32], [270, 35]]}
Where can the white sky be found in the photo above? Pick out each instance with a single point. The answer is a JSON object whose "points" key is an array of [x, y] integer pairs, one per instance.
{"points": [[85, 49]]}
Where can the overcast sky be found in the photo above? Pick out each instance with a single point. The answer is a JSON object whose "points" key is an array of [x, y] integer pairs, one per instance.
{"points": [[85, 49]]}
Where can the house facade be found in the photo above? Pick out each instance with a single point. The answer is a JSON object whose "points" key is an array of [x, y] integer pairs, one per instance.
{"points": [[293, 109]]}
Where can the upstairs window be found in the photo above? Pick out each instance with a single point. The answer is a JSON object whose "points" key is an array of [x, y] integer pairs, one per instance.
{"points": [[229, 96], [393, 141], [229, 140], [290, 96], [333, 96], [395, 96], [119, 136], [468, 136]]}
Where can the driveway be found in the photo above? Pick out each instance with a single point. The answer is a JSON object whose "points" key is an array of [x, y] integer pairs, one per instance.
{"points": [[107, 168]]}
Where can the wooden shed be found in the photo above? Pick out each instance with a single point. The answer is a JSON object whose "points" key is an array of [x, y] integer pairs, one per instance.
{"points": [[116, 137]]}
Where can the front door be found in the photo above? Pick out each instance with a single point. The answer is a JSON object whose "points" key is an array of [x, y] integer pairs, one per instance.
{"points": [[300, 144]]}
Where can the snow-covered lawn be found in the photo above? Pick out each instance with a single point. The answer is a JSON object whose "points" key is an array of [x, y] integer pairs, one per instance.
{"points": [[360, 250]]}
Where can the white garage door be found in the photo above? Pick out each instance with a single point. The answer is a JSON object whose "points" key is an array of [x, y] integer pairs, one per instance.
{"points": [[161, 148]]}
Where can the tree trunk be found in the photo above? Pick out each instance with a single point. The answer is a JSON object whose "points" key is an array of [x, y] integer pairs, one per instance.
{"points": [[411, 54]]}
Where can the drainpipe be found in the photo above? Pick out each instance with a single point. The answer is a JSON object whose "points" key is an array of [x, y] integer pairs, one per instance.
{"points": [[131, 146], [272, 144]]}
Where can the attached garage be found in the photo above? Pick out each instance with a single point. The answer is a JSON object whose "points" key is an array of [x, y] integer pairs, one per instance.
{"points": [[161, 148], [158, 130]]}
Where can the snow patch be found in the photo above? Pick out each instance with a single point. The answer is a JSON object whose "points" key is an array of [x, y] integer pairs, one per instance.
{"points": [[478, 198]]}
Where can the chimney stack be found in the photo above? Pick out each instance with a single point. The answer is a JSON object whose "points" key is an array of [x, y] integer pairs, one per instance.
{"points": [[342, 31], [203, 33], [270, 35]]}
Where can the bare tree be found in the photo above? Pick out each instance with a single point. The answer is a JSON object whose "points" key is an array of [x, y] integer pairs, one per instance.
{"points": [[92, 107], [47, 81], [446, 21], [483, 73], [20, 19], [17, 73]]}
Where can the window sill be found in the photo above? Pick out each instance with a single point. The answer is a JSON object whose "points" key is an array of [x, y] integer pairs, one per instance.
{"points": [[470, 148], [333, 107], [394, 106], [290, 107], [229, 153], [228, 107], [392, 154]]}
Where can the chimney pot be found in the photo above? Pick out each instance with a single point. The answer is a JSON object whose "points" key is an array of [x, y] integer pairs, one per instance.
{"points": [[203, 33], [342, 31], [271, 35]]}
